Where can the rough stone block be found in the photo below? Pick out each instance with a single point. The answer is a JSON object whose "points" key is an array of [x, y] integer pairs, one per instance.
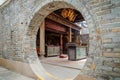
{"points": [[108, 21], [117, 78], [83, 77], [104, 12], [115, 55], [116, 50], [93, 66], [108, 50], [111, 45], [110, 73], [116, 69], [116, 30], [108, 40], [111, 64], [115, 10], [104, 68]]}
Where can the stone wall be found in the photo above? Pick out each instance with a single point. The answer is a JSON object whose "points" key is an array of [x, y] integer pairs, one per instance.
{"points": [[1, 40], [20, 20], [108, 15]]}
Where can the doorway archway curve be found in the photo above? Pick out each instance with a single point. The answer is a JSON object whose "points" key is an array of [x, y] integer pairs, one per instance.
{"points": [[39, 16]]}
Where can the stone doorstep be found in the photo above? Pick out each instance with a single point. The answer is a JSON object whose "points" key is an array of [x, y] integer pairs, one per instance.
{"points": [[84, 77]]}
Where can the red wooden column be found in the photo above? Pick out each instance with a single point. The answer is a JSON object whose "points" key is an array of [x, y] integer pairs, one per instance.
{"points": [[42, 39], [70, 35], [61, 43]]}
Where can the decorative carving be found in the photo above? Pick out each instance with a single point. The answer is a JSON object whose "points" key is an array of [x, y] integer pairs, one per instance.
{"points": [[69, 13]]}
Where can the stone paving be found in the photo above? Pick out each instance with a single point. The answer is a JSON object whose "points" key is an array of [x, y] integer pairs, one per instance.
{"points": [[6, 74], [61, 73], [64, 62]]}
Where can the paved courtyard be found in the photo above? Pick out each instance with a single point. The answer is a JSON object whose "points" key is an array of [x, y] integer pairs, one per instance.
{"points": [[64, 62], [6, 74], [61, 73], [62, 68]]}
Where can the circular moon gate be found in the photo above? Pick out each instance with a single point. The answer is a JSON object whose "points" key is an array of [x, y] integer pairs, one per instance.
{"points": [[41, 12]]}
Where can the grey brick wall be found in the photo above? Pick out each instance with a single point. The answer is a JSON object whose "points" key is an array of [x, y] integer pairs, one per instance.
{"points": [[1, 34], [20, 19]]}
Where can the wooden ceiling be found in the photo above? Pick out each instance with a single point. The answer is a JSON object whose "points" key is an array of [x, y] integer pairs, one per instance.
{"points": [[58, 22]]}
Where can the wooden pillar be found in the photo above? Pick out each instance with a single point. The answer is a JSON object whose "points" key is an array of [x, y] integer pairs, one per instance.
{"points": [[42, 39], [61, 43], [76, 37], [70, 35]]}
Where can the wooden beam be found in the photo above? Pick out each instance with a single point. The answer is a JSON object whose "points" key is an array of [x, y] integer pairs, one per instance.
{"points": [[49, 24], [63, 21]]}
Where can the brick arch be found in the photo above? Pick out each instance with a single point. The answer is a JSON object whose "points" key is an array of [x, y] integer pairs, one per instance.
{"points": [[103, 17], [54, 5], [5, 2]]}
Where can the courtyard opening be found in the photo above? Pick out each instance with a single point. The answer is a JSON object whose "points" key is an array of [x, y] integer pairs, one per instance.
{"points": [[66, 42]]}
